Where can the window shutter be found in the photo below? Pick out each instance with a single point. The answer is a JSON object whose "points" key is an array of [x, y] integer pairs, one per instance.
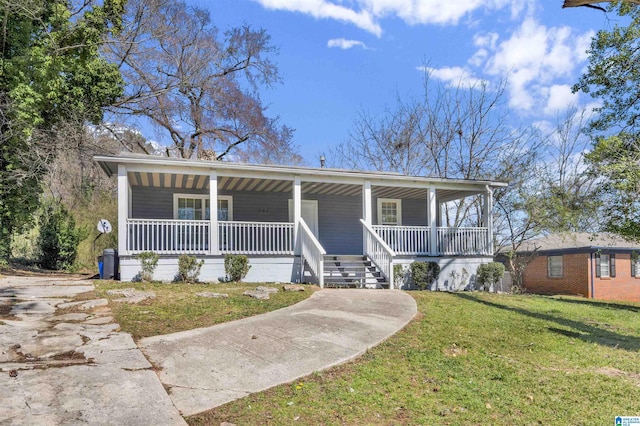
{"points": [[612, 265], [597, 264], [633, 266]]}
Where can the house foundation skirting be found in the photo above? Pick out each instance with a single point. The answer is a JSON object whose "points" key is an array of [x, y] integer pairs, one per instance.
{"points": [[457, 273], [263, 268]]}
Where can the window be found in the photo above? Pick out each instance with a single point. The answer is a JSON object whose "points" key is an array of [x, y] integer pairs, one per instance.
{"points": [[605, 265], [389, 211], [197, 207], [554, 266], [635, 265], [225, 207]]}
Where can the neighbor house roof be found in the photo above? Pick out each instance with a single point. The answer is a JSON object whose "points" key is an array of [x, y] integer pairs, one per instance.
{"points": [[579, 241]]}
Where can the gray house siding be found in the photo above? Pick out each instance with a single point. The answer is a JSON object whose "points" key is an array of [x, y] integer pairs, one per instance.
{"points": [[414, 211], [155, 203], [339, 228], [260, 206]]}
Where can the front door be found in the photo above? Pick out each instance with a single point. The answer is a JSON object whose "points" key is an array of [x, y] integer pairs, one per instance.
{"points": [[309, 214]]}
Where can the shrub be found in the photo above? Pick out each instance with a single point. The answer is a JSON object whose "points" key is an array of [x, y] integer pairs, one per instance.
{"points": [[236, 267], [424, 274], [399, 273], [189, 268], [58, 239], [148, 264], [489, 274]]}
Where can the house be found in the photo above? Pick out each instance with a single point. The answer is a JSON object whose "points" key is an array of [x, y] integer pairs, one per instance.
{"points": [[328, 226], [597, 266]]}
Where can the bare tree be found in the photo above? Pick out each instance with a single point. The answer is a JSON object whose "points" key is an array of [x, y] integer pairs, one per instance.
{"points": [[565, 200], [460, 132], [199, 88]]}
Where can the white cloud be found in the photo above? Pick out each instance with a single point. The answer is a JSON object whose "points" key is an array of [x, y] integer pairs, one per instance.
{"points": [[322, 9], [535, 58], [454, 76], [559, 99], [366, 14], [343, 43]]}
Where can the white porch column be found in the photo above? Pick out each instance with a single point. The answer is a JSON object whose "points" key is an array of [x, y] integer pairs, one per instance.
{"points": [[297, 211], [433, 221], [487, 218], [123, 209], [366, 212], [213, 213]]}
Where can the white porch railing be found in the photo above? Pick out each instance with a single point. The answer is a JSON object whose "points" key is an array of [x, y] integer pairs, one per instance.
{"points": [[461, 241], [255, 237], [405, 240], [164, 236], [312, 251], [379, 252]]}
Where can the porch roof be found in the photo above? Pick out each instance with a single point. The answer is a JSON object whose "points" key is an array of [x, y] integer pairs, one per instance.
{"points": [[145, 170]]}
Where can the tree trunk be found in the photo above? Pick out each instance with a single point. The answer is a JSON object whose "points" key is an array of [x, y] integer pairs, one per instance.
{"points": [[578, 3]]}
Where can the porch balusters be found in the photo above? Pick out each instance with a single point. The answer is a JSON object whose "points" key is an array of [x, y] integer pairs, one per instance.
{"points": [[255, 237]]}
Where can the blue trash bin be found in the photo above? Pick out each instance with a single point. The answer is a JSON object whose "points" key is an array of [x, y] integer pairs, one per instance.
{"points": [[100, 267]]}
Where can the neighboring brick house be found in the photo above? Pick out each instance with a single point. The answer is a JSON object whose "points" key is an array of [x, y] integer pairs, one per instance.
{"points": [[597, 266]]}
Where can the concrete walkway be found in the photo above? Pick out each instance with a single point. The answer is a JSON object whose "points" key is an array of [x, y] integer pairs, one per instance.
{"points": [[61, 367], [208, 367]]}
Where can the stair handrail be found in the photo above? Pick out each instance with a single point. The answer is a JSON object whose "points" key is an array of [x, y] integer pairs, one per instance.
{"points": [[311, 251], [379, 252]]}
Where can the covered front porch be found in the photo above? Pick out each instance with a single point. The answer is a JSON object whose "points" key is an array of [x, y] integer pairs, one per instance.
{"points": [[290, 213]]}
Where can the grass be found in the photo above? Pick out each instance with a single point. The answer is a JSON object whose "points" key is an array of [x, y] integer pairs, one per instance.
{"points": [[176, 306], [473, 359]]}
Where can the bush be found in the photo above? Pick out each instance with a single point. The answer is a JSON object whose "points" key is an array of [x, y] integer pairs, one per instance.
{"points": [[148, 264], [189, 268], [424, 274], [236, 267], [489, 274], [399, 273], [58, 239]]}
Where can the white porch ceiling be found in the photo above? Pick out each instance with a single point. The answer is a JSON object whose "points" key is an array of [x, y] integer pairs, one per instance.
{"points": [[229, 183]]}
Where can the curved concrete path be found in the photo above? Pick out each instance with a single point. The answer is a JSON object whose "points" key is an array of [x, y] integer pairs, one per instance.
{"points": [[211, 366]]}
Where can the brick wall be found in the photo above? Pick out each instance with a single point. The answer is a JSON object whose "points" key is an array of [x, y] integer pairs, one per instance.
{"points": [[575, 279], [623, 287]]}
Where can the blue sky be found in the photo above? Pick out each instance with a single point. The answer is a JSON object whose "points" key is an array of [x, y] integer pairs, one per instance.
{"points": [[340, 57]]}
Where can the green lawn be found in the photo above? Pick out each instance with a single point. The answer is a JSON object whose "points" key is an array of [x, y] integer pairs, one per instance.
{"points": [[473, 359], [177, 308]]}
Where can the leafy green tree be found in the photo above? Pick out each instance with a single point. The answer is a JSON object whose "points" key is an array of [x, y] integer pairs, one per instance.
{"points": [[613, 77], [58, 239], [51, 73], [615, 160]]}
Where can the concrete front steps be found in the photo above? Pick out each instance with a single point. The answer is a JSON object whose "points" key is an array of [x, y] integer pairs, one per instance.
{"points": [[352, 271]]}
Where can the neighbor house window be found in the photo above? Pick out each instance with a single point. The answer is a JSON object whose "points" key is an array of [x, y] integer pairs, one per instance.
{"points": [[635, 265], [389, 211], [605, 265], [554, 266], [197, 207]]}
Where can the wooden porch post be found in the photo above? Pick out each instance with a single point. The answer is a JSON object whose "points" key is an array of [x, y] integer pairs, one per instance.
{"points": [[433, 222], [213, 213], [366, 212], [487, 218], [123, 208], [297, 212]]}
